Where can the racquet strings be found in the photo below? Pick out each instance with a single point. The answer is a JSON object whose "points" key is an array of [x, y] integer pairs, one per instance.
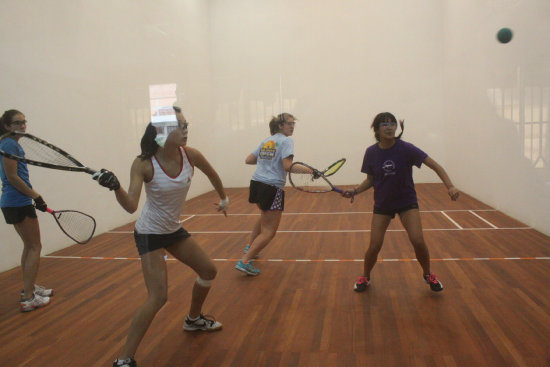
{"points": [[78, 226], [333, 168], [302, 179], [36, 151]]}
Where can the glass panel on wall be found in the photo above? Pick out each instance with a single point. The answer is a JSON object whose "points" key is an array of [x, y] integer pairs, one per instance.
{"points": [[162, 97]]}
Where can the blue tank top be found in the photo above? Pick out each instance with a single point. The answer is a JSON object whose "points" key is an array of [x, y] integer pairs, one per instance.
{"points": [[11, 197]]}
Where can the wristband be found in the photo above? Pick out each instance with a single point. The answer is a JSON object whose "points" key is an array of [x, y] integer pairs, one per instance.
{"points": [[40, 204]]}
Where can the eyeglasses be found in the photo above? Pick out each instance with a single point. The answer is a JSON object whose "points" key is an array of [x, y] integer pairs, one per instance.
{"points": [[388, 124], [183, 125], [19, 123]]}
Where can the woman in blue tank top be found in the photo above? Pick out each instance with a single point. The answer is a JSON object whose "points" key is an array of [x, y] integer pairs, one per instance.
{"points": [[17, 206]]}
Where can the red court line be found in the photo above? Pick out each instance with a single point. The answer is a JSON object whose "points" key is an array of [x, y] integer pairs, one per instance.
{"points": [[334, 213], [310, 260]]}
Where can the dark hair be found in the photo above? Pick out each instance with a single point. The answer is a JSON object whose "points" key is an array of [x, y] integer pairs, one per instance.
{"points": [[278, 120], [6, 119], [385, 117], [148, 144]]}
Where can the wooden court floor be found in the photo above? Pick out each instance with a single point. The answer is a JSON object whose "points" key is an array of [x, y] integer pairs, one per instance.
{"points": [[301, 310]]}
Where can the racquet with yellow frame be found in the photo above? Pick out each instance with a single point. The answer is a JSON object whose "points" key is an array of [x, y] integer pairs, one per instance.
{"points": [[304, 177]]}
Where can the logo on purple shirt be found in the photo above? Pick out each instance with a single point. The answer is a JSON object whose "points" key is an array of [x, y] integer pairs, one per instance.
{"points": [[388, 167]]}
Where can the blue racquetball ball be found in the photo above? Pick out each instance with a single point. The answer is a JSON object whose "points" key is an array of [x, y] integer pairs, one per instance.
{"points": [[504, 35]]}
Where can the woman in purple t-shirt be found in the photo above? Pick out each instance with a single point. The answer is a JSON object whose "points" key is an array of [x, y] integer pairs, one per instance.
{"points": [[388, 165]]}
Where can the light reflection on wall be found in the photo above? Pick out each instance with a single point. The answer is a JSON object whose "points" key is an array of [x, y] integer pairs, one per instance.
{"points": [[528, 108], [241, 114], [162, 97]]}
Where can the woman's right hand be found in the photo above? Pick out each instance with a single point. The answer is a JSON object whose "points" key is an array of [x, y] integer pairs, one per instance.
{"points": [[107, 179], [349, 193]]}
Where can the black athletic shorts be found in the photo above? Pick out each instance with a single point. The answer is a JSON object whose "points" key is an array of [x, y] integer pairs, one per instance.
{"points": [[392, 212], [150, 242], [17, 214], [267, 196]]}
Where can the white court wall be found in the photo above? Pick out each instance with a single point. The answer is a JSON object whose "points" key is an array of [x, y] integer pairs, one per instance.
{"points": [[80, 71], [497, 105]]}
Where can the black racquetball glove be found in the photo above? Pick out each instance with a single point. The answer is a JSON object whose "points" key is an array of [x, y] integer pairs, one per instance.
{"points": [[40, 204], [107, 179]]}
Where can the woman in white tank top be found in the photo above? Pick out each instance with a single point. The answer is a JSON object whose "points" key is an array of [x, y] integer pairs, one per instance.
{"points": [[166, 172]]}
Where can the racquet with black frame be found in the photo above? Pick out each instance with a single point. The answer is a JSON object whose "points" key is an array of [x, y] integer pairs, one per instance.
{"points": [[304, 177], [78, 226], [39, 152]]}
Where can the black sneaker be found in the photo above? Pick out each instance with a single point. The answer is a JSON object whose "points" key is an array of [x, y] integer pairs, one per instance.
{"points": [[361, 284], [433, 281], [128, 362], [204, 323]]}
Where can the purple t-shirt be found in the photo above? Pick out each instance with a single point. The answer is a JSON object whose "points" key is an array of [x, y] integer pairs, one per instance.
{"points": [[392, 172]]}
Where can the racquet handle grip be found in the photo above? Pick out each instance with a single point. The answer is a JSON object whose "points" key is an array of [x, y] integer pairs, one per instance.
{"points": [[49, 210]]}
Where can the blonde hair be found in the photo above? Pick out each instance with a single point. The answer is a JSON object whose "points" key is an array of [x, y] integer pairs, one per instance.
{"points": [[276, 121]]}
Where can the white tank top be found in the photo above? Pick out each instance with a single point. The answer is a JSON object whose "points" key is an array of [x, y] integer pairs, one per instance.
{"points": [[165, 198]]}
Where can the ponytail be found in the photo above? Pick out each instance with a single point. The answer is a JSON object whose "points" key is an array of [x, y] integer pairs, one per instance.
{"points": [[148, 144], [402, 124]]}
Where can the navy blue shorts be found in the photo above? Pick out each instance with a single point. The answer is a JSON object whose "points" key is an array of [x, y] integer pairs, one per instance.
{"points": [[392, 212], [146, 242], [267, 196], [16, 214]]}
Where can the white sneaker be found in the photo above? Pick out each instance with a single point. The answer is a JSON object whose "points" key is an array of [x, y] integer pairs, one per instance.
{"points": [[128, 362], [35, 302], [41, 291], [205, 323]]}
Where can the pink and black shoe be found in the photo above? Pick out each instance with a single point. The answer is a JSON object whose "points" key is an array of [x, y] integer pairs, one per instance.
{"points": [[361, 284], [434, 282]]}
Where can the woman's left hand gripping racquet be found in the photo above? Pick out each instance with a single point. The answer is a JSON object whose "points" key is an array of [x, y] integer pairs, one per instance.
{"points": [[305, 178], [78, 226]]}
